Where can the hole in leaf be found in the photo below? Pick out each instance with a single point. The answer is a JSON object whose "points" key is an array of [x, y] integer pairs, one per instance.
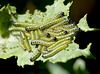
{"points": [[82, 38], [67, 1]]}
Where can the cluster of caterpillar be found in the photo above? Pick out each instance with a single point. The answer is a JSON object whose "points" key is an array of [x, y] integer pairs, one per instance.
{"points": [[50, 37]]}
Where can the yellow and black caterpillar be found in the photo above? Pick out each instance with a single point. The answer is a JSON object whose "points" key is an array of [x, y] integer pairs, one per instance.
{"points": [[50, 36]]}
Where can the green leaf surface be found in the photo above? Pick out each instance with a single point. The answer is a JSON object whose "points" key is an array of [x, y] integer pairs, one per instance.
{"points": [[83, 25], [10, 47]]}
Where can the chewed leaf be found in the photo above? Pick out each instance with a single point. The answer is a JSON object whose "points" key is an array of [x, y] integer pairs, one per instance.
{"points": [[57, 7], [10, 47], [71, 52], [83, 25]]}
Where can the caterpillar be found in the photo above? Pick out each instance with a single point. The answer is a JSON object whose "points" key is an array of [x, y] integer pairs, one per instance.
{"points": [[57, 34], [53, 30], [32, 33], [36, 35], [65, 36], [25, 40], [37, 53], [52, 53], [21, 43], [56, 43], [50, 36], [41, 42], [40, 32], [24, 24], [58, 15], [69, 29], [48, 39], [59, 24], [41, 27], [17, 29], [43, 50], [18, 34], [32, 28], [69, 25]]}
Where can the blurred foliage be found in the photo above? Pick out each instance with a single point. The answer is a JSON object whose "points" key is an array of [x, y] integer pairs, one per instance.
{"points": [[5, 22]]}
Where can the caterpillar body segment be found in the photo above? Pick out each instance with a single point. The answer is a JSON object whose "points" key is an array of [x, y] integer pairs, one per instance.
{"points": [[41, 42], [37, 54], [32, 35], [52, 53], [68, 25], [48, 39], [21, 43], [29, 28], [40, 32], [53, 30], [18, 34], [24, 24], [17, 29], [25, 40], [36, 35], [66, 36], [56, 16], [56, 43], [72, 29], [44, 49], [47, 25], [57, 34], [59, 24]]}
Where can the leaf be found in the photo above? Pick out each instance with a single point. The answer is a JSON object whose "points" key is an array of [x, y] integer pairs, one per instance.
{"points": [[69, 53], [5, 22], [83, 25], [10, 47]]}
